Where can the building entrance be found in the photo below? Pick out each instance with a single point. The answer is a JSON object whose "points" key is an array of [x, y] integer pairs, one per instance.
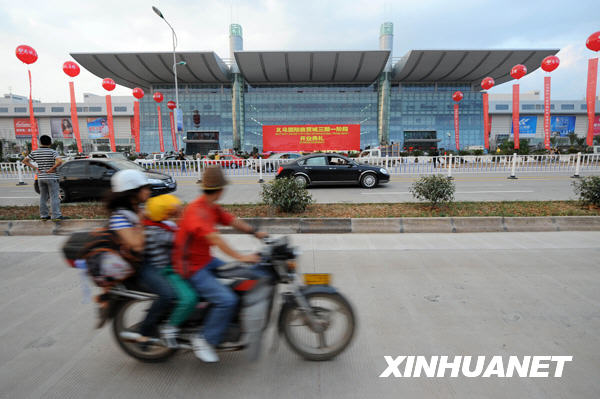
{"points": [[423, 140], [201, 141]]}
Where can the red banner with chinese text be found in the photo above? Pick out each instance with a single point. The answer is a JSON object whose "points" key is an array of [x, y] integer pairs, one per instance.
{"points": [[307, 138], [160, 131], [136, 125], [597, 125], [74, 118], [547, 105], [456, 133], [486, 122], [591, 97], [23, 128], [109, 120], [173, 137], [515, 113]]}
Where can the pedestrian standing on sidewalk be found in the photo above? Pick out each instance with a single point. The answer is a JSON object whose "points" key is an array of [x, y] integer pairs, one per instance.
{"points": [[47, 161]]}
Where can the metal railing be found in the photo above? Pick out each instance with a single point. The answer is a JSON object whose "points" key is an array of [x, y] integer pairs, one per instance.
{"points": [[449, 164]]}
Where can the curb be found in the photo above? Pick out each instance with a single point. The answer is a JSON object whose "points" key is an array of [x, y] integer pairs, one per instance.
{"points": [[344, 226]]}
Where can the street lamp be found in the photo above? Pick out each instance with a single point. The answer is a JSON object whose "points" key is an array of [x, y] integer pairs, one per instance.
{"points": [[175, 63]]}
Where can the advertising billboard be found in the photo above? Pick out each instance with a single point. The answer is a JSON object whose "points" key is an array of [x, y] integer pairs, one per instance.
{"points": [[527, 125], [61, 128], [562, 125], [23, 128], [97, 127], [597, 125], [307, 138]]}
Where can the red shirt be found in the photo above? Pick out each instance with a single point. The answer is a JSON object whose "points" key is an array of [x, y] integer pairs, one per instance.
{"points": [[191, 249]]}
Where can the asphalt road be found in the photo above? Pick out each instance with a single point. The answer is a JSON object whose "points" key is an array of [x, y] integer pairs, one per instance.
{"points": [[483, 187], [423, 294]]}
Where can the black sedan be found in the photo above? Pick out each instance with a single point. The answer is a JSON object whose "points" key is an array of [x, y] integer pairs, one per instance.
{"points": [[332, 168], [90, 178]]}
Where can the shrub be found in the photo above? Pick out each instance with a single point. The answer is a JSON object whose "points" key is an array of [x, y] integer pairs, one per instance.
{"points": [[588, 190], [286, 195], [435, 189]]}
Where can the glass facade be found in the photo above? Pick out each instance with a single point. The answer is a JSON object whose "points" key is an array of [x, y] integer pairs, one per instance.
{"points": [[414, 108], [429, 108]]}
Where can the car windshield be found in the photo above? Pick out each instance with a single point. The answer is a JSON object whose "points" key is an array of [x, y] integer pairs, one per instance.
{"points": [[123, 164], [116, 155]]}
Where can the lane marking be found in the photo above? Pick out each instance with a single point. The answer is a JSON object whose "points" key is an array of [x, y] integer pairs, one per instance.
{"points": [[458, 192]]}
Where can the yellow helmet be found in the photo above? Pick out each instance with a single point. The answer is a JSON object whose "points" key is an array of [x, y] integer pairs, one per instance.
{"points": [[159, 207]]}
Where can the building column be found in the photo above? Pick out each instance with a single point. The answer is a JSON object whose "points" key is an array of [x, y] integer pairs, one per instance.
{"points": [[237, 111], [386, 40]]}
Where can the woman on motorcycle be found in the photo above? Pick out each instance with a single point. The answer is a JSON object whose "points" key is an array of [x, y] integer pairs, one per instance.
{"points": [[130, 190]]}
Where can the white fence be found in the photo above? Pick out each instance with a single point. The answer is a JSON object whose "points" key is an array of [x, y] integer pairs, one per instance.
{"points": [[509, 164]]}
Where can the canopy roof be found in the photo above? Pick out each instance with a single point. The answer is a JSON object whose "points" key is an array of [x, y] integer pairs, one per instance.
{"points": [[146, 69], [264, 67], [465, 65]]}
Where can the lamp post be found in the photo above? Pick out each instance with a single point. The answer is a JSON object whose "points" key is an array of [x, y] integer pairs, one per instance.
{"points": [[175, 63]]}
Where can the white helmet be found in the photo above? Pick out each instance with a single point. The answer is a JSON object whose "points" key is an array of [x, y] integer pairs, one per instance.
{"points": [[128, 179]]}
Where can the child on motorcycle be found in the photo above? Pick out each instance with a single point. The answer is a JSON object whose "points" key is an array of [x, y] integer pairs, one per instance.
{"points": [[159, 232]]}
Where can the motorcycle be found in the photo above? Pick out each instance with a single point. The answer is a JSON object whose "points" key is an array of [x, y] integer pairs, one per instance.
{"points": [[317, 322]]}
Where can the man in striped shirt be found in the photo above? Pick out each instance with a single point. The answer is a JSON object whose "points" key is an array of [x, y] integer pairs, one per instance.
{"points": [[47, 161]]}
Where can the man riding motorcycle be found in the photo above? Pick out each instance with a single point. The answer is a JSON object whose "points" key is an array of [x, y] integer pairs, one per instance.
{"points": [[192, 258]]}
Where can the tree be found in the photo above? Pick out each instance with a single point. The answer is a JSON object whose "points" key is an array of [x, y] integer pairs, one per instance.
{"points": [[572, 138]]}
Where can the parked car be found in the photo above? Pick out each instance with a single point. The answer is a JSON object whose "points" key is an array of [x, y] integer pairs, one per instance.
{"points": [[332, 168], [112, 155], [226, 161], [90, 178]]}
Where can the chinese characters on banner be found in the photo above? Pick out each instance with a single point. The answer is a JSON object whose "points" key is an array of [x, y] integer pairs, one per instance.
{"points": [[515, 114], [547, 112], [591, 97], [597, 125], [456, 132], [486, 122], [306, 138]]}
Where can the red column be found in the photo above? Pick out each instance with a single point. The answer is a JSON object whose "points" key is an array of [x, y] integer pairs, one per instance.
{"points": [[547, 105], [136, 124], [486, 122], [74, 118], [456, 132], [173, 137], [591, 97], [160, 131], [32, 121], [109, 120], [516, 115]]}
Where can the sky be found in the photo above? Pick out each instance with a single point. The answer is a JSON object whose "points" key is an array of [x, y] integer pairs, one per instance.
{"points": [[56, 28]]}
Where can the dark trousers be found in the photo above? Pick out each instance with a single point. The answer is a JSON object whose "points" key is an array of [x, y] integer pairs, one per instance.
{"points": [[151, 279]]}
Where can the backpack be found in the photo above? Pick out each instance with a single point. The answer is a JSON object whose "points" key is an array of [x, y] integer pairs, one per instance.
{"points": [[107, 261]]}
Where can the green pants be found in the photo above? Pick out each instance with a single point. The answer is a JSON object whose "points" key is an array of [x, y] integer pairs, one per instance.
{"points": [[186, 296]]}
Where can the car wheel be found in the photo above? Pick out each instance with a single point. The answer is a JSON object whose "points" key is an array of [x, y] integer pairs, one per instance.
{"points": [[369, 180], [63, 196], [300, 180]]}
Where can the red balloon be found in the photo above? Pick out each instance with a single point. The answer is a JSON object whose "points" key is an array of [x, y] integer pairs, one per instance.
{"points": [[550, 63], [487, 83], [138, 93], [593, 42], [26, 54], [171, 105], [518, 71], [71, 68], [457, 96], [108, 84], [158, 97]]}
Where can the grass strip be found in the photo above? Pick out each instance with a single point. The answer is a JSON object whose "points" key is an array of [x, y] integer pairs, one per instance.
{"points": [[348, 210]]}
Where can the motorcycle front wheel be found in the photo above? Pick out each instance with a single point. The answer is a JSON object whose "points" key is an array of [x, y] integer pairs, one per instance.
{"points": [[333, 333], [128, 318]]}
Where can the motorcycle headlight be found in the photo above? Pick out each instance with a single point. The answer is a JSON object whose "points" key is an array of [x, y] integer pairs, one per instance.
{"points": [[384, 171]]}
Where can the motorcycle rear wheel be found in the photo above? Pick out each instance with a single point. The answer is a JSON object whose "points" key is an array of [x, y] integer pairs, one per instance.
{"points": [[128, 317], [302, 339]]}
